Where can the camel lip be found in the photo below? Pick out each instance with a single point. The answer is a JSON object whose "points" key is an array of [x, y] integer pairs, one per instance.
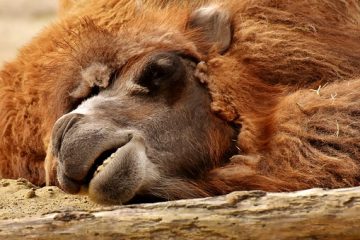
{"points": [[126, 174], [101, 162]]}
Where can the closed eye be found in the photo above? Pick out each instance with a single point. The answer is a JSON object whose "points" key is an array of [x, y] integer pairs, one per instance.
{"points": [[160, 71]]}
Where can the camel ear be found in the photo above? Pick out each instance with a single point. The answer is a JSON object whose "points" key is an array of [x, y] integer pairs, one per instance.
{"points": [[214, 26]]}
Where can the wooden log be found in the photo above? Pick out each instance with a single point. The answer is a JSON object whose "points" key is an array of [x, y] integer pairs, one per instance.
{"points": [[310, 214]]}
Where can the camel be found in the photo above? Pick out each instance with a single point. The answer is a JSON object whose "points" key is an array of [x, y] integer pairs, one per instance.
{"points": [[164, 100]]}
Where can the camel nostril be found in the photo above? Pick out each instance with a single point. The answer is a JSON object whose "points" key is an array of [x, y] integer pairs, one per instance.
{"points": [[61, 127]]}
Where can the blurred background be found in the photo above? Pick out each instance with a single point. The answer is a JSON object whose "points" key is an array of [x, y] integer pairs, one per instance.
{"points": [[20, 20]]}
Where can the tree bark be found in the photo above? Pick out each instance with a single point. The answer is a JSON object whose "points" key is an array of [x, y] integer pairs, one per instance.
{"points": [[310, 214]]}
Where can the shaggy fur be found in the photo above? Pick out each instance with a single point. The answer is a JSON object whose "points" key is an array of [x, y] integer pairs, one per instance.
{"points": [[289, 82]]}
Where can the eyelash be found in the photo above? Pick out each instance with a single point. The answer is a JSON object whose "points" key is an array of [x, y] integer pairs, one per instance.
{"points": [[113, 77]]}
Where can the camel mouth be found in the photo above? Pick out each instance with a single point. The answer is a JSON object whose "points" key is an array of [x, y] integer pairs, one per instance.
{"points": [[122, 173], [101, 162]]}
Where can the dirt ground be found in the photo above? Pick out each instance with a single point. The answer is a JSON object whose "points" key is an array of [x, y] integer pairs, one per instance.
{"points": [[19, 198], [20, 20]]}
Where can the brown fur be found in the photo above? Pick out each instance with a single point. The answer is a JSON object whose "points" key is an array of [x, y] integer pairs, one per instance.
{"points": [[292, 137]]}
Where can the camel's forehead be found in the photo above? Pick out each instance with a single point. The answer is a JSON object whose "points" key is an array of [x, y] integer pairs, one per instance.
{"points": [[132, 44], [90, 42]]}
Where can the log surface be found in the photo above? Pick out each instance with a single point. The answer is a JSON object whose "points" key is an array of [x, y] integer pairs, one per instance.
{"points": [[310, 214]]}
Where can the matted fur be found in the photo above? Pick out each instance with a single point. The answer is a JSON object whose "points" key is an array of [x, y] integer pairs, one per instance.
{"points": [[290, 81]]}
